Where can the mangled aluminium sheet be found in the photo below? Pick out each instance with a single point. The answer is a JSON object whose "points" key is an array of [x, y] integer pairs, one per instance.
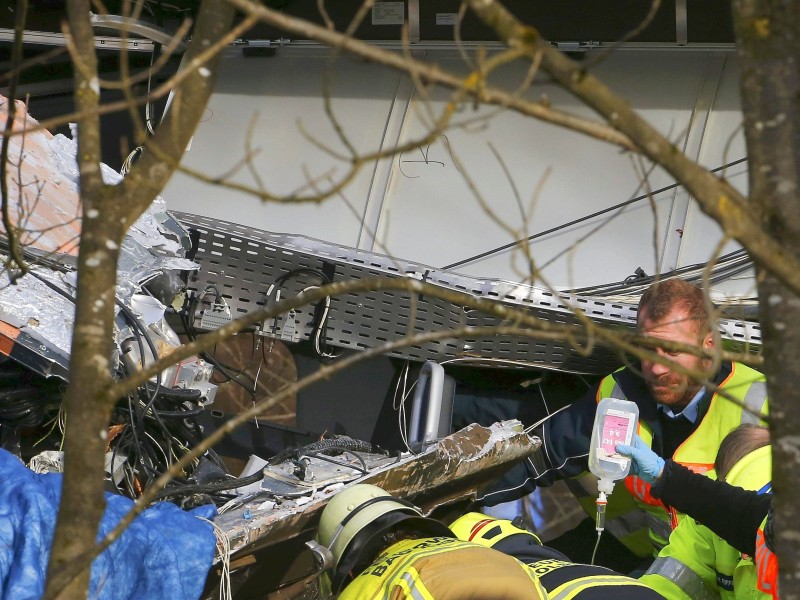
{"points": [[37, 309]]}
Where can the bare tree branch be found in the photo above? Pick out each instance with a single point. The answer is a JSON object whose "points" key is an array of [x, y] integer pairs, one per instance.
{"points": [[431, 73], [89, 409], [17, 261], [717, 198]]}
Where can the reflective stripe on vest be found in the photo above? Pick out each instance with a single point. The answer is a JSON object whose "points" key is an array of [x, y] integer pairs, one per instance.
{"points": [[625, 523], [414, 591], [614, 392], [682, 576], [469, 525], [660, 527], [571, 589], [754, 400]]}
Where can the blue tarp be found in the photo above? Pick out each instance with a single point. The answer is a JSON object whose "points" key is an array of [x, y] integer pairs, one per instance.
{"points": [[165, 553]]}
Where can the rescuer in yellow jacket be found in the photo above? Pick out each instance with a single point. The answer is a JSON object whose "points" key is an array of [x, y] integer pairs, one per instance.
{"points": [[559, 577], [678, 418], [384, 549], [697, 563]]}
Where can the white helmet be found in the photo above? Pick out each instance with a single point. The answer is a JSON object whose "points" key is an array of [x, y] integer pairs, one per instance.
{"points": [[356, 518]]}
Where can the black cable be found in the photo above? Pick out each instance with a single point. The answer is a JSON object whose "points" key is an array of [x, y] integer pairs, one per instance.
{"points": [[141, 456], [301, 271], [224, 369], [167, 435], [179, 414], [362, 468], [226, 484], [614, 287], [340, 443], [581, 219], [149, 423], [142, 417], [151, 395], [137, 324], [26, 405], [320, 324], [178, 395]]}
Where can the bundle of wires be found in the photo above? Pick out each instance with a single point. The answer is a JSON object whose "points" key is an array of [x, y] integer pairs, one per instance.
{"points": [[724, 268], [154, 428], [228, 373], [321, 309], [158, 424], [150, 429], [26, 399]]}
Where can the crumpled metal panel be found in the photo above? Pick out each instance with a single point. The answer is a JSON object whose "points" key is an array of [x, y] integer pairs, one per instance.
{"points": [[37, 309], [243, 263], [454, 468], [36, 321]]}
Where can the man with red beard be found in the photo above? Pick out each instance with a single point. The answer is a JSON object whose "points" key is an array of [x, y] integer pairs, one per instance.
{"points": [[683, 414]]}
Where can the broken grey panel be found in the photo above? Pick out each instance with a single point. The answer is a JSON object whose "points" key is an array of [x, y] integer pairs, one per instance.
{"points": [[39, 318], [453, 469], [243, 263]]}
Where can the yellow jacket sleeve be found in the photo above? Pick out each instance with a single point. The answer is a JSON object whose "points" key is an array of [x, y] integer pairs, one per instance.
{"points": [[685, 568]]}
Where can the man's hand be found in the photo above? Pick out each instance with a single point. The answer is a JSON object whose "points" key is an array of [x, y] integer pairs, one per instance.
{"points": [[645, 463]]}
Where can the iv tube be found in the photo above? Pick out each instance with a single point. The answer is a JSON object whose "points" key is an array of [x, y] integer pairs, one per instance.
{"points": [[605, 487]]}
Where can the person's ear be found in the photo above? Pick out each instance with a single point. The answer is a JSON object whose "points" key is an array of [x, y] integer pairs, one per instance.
{"points": [[708, 341]]}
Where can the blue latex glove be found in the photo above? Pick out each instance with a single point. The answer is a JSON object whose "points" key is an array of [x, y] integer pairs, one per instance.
{"points": [[645, 463]]}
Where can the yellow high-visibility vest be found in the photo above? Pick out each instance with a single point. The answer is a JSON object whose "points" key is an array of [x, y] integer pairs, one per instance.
{"points": [[443, 567], [633, 516], [699, 565]]}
